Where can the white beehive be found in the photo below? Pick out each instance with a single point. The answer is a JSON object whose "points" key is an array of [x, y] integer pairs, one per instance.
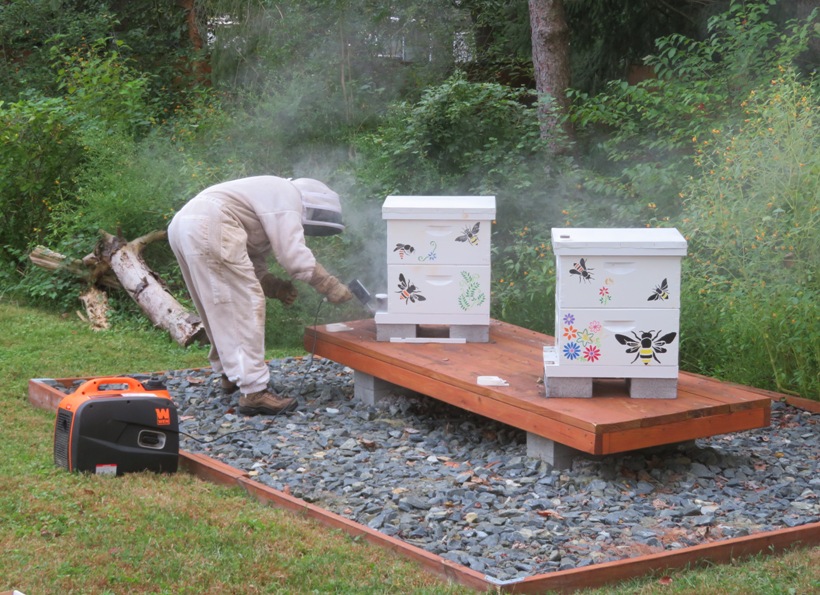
{"points": [[617, 310], [438, 265]]}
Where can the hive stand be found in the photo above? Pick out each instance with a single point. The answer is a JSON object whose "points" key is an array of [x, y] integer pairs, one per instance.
{"points": [[371, 391], [557, 429]]}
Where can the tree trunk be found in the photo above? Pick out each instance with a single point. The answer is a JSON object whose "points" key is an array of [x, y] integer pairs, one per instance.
{"points": [[550, 59], [145, 288], [116, 262]]}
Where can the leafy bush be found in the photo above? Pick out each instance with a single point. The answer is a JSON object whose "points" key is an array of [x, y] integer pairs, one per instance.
{"points": [[40, 152], [638, 136], [752, 217], [460, 136], [98, 82], [524, 278]]}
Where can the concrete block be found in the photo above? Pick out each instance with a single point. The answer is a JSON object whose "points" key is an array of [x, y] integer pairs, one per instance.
{"points": [[653, 388], [472, 333], [553, 453], [568, 387], [369, 390]]}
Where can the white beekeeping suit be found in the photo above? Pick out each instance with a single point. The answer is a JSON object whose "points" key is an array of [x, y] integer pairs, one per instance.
{"points": [[221, 239]]}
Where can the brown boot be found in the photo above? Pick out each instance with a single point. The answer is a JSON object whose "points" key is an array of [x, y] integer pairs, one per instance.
{"points": [[266, 403], [228, 386]]}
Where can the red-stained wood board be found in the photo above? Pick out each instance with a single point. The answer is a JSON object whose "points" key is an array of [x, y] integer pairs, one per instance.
{"points": [[609, 422]]}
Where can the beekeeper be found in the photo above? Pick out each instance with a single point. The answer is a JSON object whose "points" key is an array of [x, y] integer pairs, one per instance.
{"points": [[222, 238]]}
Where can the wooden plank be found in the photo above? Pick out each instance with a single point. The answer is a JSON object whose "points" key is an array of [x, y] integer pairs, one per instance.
{"points": [[681, 431], [505, 411], [209, 469], [609, 422], [722, 552], [44, 396]]}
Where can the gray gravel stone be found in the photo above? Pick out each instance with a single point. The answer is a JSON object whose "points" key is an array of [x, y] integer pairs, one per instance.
{"points": [[462, 486]]}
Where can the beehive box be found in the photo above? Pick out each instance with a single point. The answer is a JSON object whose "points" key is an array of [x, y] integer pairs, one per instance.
{"points": [[438, 265], [617, 310]]}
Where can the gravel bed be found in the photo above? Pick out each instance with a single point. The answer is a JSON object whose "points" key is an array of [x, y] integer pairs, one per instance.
{"points": [[462, 486]]}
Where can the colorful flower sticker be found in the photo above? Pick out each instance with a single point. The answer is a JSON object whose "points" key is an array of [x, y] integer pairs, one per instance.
{"points": [[591, 353], [572, 350], [570, 332], [569, 319]]}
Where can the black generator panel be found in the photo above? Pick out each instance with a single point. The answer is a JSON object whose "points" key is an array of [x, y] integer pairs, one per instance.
{"points": [[111, 431]]}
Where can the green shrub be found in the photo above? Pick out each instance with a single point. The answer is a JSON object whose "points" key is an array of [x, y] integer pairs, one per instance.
{"points": [[459, 137], [752, 217], [638, 136], [524, 278], [40, 153], [98, 82]]}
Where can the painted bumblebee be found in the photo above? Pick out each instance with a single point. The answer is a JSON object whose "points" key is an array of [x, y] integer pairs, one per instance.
{"points": [[470, 235], [661, 292], [646, 345], [403, 249], [408, 292], [580, 268]]}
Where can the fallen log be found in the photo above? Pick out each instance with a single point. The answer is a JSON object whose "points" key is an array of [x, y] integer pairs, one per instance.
{"points": [[53, 261], [116, 262]]}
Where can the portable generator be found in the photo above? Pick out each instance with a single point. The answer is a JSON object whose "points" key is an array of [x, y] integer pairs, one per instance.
{"points": [[116, 425]]}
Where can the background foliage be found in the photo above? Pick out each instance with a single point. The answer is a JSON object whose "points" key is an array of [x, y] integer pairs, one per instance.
{"points": [[112, 117]]}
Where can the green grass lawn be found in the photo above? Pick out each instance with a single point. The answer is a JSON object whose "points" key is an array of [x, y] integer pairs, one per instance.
{"points": [[66, 533]]}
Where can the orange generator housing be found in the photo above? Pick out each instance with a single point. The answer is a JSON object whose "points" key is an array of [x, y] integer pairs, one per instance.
{"points": [[116, 425]]}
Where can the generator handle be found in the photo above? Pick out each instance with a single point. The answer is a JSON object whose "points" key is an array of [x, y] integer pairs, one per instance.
{"points": [[93, 386]]}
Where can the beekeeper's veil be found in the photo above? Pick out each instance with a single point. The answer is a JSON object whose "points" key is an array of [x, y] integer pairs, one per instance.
{"points": [[322, 210]]}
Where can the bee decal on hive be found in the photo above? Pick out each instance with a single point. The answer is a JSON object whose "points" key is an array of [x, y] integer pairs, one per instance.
{"points": [[661, 292], [409, 292], [403, 250], [470, 235], [581, 269], [646, 345]]}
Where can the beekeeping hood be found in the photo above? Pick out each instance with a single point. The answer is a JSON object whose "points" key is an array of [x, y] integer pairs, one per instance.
{"points": [[322, 210]]}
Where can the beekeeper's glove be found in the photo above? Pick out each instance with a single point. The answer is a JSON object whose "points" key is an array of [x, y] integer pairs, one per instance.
{"points": [[280, 289], [328, 285]]}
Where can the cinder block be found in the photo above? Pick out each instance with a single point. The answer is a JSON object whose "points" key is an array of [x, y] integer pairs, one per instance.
{"points": [[472, 333], [553, 453], [369, 390], [653, 388], [568, 387]]}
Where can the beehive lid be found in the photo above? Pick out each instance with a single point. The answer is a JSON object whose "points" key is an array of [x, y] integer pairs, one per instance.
{"points": [[639, 241], [439, 207]]}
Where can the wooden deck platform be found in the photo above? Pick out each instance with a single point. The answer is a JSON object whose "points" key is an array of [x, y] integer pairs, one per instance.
{"points": [[608, 423]]}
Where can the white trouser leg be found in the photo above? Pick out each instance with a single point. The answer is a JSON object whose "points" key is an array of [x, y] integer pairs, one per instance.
{"points": [[224, 288]]}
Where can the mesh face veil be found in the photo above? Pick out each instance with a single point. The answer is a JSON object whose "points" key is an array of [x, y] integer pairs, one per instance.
{"points": [[322, 212]]}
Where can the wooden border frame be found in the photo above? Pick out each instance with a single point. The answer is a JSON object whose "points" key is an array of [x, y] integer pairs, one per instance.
{"points": [[43, 396]]}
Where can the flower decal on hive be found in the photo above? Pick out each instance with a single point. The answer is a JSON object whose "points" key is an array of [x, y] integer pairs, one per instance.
{"points": [[591, 353], [572, 350], [431, 255], [582, 344]]}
